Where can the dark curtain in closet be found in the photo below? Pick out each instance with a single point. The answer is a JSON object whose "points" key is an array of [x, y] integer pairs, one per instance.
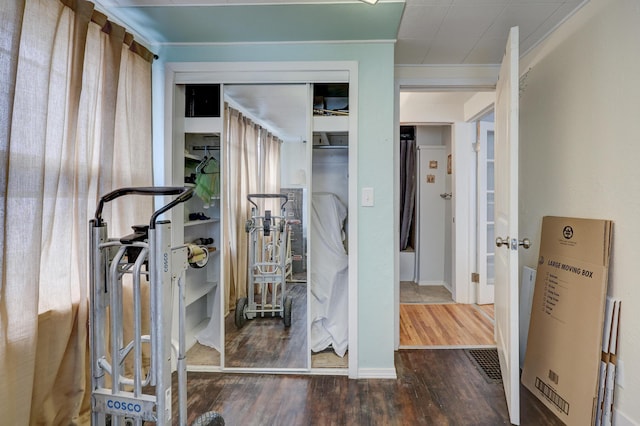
{"points": [[407, 186]]}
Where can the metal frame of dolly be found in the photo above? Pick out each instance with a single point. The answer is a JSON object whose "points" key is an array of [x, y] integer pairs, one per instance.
{"points": [[129, 400]]}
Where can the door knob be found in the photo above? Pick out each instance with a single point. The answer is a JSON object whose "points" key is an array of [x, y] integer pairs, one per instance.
{"points": [[525, 243], [502, 242]]}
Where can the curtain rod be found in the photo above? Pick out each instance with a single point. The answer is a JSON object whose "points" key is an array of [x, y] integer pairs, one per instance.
{"points": [[331, 147], [107, 26]]}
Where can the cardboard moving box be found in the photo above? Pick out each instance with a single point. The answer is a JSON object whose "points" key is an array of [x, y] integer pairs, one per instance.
{"points": [[564, 345]]}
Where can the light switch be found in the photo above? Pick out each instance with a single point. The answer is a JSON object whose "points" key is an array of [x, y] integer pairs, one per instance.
{"points": [[367, 197]]}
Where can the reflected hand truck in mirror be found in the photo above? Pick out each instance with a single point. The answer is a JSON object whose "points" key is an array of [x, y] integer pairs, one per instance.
{"points": [[267, 263]]}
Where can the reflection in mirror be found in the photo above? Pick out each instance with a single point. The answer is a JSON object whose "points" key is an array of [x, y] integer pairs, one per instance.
{"points": [[265, 265], [202, 236]]}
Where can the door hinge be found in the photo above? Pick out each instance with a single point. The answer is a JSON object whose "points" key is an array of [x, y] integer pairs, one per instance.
{"points": [[475, 277]]}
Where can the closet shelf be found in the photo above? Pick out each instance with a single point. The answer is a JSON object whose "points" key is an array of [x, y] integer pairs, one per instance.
{"points": [[203, 125], [192, 157], [201, 222], [196, 292]]}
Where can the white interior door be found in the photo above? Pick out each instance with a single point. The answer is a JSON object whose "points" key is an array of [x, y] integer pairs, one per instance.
{"points": [[486, 202], [506, 225], [431, 173]]}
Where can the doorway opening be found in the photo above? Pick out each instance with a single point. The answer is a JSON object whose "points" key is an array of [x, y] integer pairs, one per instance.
{"points": [[438, 304]]}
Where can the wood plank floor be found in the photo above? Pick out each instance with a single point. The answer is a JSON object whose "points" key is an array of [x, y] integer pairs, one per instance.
{"points": [[434, 387], [444, 325], [266, 342]]}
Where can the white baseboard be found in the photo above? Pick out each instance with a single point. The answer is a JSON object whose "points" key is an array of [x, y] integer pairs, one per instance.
{"points": [[433, 283], [620, 419], [377, 373], [407, 265]]}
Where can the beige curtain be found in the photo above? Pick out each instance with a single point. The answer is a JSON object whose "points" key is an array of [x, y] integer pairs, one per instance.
{"points": [[77, 113], [249, 149], [270, 167]]}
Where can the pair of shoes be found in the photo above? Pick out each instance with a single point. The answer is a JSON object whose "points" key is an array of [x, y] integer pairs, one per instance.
{"points": [[203, 241], [198, 216]]}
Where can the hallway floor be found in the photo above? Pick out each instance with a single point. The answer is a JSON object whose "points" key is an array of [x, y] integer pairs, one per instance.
{"points": [[430, 318], [411, 292], [447, 325]]}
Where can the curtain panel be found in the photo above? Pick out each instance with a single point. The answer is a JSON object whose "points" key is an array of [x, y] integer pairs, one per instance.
{"points": [[76, 106], [252, 165], [407, 191]]}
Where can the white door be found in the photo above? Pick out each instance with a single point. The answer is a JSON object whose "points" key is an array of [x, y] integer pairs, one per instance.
{"points": [[431, 207], [506, 225], [486, 225]]}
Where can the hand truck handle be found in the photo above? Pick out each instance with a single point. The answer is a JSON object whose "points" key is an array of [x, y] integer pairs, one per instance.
{"points": [[283, 196], [183, 195]]}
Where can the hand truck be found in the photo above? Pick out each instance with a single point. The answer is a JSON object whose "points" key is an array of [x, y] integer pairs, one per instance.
{"points": [[118, 398], [267, 268]]}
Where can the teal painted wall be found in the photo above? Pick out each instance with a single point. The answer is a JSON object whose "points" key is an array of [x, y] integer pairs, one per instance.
{"points": [[375, 167]]}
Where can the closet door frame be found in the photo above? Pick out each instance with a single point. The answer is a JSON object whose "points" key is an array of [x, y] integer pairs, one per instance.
{"points": [[283, 72]]}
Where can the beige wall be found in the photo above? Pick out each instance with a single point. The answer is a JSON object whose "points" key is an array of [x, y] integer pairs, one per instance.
{"points": [[580, 151]]}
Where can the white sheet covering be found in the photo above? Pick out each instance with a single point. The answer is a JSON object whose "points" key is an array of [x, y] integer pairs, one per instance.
{"points": [[329, 275]]}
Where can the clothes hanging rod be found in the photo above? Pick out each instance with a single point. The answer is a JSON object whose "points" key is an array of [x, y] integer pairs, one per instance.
{"points": [[331, 147], [205, 148]]}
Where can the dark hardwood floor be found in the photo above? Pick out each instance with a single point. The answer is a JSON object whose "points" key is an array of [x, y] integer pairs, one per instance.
{"points": [[266, 342], [434, 387]]}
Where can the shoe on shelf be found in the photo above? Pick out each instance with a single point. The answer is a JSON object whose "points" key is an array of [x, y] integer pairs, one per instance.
{"points": [[198, 216], [203, 241]]}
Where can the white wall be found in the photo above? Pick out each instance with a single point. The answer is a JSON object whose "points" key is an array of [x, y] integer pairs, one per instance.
{"points": [[439, 107], [580, 152], [294, 156], [331, 172], [429, 135]]}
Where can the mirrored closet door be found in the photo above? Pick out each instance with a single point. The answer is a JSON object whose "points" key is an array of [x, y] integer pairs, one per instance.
{"points": [[266, 213], [329, 228], [268, 286]]}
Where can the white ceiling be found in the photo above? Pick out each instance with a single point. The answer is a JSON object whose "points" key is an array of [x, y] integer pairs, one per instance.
{"points": [[281, 108], [426, 32], [474, 31]]}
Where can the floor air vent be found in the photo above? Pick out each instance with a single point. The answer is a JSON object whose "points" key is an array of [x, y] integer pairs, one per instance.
{"points": [[487, 362]]}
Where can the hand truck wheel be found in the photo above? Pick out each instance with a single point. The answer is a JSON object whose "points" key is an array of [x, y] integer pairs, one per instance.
{"points": [[241, 309], [288, 305], [210, 418]]}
